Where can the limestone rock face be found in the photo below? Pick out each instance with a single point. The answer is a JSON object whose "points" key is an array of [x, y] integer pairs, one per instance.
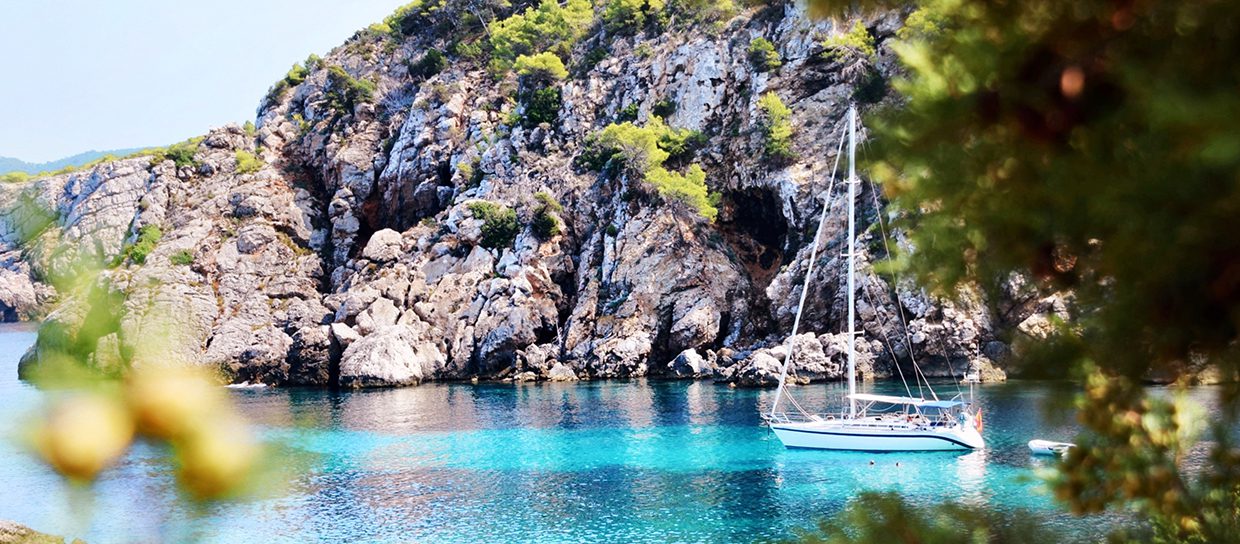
{"points": [[21, 297], [356, 252]]}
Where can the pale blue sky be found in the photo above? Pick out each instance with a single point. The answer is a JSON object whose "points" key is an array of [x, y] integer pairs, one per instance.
{"points": [[96, 74]]}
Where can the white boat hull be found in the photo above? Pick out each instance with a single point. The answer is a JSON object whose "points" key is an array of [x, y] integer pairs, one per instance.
{"points": [[1046, 447], [841, 435]]}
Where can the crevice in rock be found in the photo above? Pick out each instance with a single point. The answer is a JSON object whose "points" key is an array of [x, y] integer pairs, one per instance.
{"points": [[444, 171], [725, 326], [661, 349], [755, 228], [369, 220], [333, 362]]}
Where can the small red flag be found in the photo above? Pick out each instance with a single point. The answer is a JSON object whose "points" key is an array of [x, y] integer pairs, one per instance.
{"points": [[978, 420]]}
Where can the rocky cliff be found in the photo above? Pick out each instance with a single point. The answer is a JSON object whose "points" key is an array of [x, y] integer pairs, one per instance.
{"points": [[341, 241]]}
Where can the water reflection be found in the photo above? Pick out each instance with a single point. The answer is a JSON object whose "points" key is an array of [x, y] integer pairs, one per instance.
{"points": [[596, 461], [618, 460]]}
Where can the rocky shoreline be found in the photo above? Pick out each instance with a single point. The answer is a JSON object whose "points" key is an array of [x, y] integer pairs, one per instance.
{"points": [[358, 253], [13, 533]]}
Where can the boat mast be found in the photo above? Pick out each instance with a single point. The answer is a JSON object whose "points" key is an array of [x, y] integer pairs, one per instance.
{"points": [[852, 241], [809, 273]]}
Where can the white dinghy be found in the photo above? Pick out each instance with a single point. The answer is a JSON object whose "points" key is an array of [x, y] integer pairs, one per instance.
{"points": [[871, 422], [1046, 447]]}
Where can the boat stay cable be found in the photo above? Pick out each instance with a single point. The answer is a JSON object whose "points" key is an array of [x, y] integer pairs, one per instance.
{"points": [[882, 326], [813, 256], [895, 278]]}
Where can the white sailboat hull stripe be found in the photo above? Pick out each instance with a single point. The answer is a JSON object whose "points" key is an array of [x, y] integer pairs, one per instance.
{"points": [[876, 440]]}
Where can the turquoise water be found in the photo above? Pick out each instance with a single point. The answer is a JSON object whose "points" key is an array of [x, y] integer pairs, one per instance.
{"points": [[640, 461]]}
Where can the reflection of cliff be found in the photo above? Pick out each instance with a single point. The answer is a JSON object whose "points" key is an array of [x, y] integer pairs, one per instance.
{"points": [[355, 254]]}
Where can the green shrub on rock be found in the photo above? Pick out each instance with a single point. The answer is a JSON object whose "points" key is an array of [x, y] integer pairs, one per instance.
{"points": [[628, 113], [471, 172], [542, 68], [294, 77], [708, 15], [636, 148], [430, 64], [763, 56], [499, 223], [247, 163], [137, 252], [854, 51], [776, 126], [468, 50], [546, 27], [184, 257], [181, 153], [664, 108], [543, 107], [344, 92], [631, 14], [643, 150], [546, 223], [591, 59], [688, 189], [639, 148]]}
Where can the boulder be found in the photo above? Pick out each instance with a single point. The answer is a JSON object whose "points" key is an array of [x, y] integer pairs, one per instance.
{"points": [[760, 370], [310, 356], [810, 362], [623, 357], [383, 247], [391, 356], [510, 327], [689, 364], [344, 334], [699, 325], [254, 238], [561, 373], [265, 360], [20, 296], [382, 313], [986, 370], [538, 358], [1038, 326]]}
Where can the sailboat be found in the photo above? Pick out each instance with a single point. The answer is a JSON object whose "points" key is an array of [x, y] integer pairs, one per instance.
{"points": [[871, 422]]}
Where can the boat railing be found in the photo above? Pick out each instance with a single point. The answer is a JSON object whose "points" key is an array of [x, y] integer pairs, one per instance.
{"points": [[784, 417]]}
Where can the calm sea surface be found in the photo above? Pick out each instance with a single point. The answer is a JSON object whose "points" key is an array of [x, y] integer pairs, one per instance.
{"points": [[639, 461]]}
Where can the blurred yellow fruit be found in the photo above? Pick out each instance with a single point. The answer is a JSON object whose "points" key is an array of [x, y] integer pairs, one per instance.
{"points": [[216, 458], [168, 403], [84, 434]]}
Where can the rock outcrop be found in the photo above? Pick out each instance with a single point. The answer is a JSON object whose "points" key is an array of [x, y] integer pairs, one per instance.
{"points": [[355, 256], [12, 533]]}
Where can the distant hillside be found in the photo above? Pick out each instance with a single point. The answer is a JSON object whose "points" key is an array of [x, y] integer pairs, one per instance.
{"points": [[10, 164]]}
